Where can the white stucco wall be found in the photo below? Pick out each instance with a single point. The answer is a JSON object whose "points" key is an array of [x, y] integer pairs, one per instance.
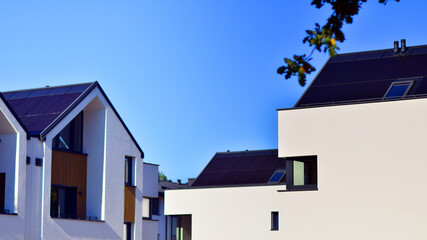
{"points": [[13, 158], [371, 171], [151, 180], [229, 213], [150, 229], [7, 165]]}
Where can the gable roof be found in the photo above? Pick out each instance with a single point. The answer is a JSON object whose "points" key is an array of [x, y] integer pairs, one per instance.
{"points": [[37, 108], [245, 168], [40, 110], [366, 77]]}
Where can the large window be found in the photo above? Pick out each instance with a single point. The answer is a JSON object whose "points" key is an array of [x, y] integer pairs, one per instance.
{"points": [[128, 171], [150, 207], [301, 173], [63, 202], [181, 227], [70, 138]]}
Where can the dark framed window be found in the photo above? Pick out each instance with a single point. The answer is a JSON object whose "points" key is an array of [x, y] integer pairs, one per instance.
{"points": [[127, 231], [155, 206], [63, 202], [301, 173], [128, 171], [71, 137], [398, 90], [274, 221]]}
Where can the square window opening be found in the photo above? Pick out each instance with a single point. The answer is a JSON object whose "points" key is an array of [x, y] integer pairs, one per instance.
{"points": [[302, 173]]}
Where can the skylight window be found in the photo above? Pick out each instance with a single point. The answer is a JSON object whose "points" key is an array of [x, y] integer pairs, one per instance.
{"points": [[398, 90], [277, 176]]}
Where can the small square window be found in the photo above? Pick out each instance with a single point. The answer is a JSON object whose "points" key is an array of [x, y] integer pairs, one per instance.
{"points": [[398, 90], [302, 173], [274, 221]]}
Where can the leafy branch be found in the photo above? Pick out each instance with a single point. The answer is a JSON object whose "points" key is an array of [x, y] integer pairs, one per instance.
{"points": [[323, 39]]}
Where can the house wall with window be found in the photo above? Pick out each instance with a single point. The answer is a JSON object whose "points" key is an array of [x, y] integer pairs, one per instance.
{"points": [[106, 143], [150, 205], [371, 171], [242, 212], [13, 150]]}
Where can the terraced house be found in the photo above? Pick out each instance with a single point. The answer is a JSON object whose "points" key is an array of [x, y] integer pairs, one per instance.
{"points": [[69, 166]]}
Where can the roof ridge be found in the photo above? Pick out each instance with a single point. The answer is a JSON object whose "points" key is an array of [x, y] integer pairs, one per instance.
{"points": [[373, 51], [42, 88]]}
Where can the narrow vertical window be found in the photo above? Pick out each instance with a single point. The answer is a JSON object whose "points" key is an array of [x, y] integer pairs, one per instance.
{"points": [[128, 171], [127, 231], [146, 209], [274, 221]]}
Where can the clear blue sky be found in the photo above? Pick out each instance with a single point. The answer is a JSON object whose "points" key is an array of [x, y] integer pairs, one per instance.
{"points": [[190, 77]]}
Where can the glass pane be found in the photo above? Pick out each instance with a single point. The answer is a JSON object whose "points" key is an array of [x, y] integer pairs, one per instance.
{"points": [[77, 133], [298, 173], [397, 91], [276, 176], [146, 207], [125, 231]]}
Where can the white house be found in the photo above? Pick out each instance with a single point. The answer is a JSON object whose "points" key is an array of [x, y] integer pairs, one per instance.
{"points": [[70, 168], [155, 224], [353, 148]]}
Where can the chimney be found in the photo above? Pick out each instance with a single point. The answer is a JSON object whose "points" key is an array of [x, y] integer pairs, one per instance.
{"points": [[403, 49], [179, 181], [396, 48]]}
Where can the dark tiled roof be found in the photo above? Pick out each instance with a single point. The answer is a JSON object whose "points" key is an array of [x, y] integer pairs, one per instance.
{"points": [[366, 76], [240, 168], [37, 108]]}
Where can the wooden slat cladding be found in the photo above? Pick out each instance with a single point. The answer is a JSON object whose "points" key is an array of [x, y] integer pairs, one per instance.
{"points": [[70, 169], [2, 190], [129, 204]]}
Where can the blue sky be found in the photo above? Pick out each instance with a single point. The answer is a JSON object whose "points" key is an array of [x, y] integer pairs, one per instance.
{"points": [[190, 77]]}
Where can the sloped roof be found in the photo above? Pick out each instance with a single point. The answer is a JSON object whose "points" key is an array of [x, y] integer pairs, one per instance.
{"points": [[240, 169], [37, 108], [366, 77]]}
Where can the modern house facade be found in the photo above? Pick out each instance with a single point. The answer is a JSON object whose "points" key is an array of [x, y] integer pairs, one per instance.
{"points": [[72, 168], [352, 149], [234, 197]]}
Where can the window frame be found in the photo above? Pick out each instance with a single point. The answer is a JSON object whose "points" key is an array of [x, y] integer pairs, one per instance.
{"points": [[65, 188], [274, 173], [290, 174], [395, 83], [129, 180], [274, 221]]}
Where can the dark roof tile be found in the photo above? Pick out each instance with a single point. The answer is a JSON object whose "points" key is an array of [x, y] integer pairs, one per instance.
{"points": [[37, 108], [362, 76], [240, 168]]}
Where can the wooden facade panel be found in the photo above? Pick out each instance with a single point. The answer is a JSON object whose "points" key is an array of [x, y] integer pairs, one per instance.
{"points": [[70, 169], [129, 204]]}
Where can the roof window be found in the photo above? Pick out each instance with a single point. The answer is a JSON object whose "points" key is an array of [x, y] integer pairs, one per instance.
{"points": [[398, 90], [277, 176]]}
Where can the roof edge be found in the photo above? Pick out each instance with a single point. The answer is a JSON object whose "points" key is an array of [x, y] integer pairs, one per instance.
{"points": [[15, 116], [76, 102]]}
